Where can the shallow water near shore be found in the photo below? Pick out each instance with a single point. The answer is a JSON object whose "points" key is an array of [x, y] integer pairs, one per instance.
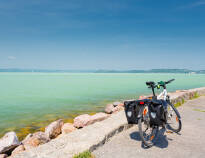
{"points": [[30, 101]]}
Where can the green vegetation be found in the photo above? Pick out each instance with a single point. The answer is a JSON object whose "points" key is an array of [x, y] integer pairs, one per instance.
{"points": [[178, 104], [86, 154], [183, 101], [196, 95], [199, 110]]}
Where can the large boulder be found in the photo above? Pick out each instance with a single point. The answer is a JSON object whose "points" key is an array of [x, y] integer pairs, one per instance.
{"points": [[85, 119], [117, 104], [98, 117], [109, 108], [8, 142], [117, 109], [67, 128], [17, 150], [82, 121], [35, 139], [3, 156], [54, 129]]}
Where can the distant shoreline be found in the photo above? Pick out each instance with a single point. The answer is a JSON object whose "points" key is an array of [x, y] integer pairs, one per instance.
{"points": [[181, 71]]}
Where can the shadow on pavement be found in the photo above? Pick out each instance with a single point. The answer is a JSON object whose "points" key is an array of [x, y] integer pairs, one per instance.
{"points": [[161, 141]]}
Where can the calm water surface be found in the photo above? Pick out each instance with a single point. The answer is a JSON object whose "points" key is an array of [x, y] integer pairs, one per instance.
{"points": [[29, 101]]}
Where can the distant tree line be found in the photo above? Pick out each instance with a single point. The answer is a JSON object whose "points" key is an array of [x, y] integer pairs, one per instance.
{"points": [[154, 71], [108, 71]]}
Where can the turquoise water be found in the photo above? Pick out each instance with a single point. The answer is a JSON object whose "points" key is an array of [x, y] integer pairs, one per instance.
{"points": [[30, 101]]}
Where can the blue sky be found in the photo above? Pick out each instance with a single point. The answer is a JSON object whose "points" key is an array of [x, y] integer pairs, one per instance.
{"points": [[102, 34]]}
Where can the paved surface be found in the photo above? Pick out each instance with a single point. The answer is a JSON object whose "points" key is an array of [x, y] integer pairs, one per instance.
{"points": [[189, 143]]}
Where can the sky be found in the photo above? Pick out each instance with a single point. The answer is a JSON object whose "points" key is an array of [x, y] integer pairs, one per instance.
{"points": [[102, 34]]}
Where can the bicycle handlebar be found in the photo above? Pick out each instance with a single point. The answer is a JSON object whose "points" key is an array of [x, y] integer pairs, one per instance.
{"points": [[152, 85], [162, 83], [169, 81]]}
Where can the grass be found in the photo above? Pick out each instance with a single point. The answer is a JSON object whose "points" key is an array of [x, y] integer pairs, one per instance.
{"points": [[183, 101], [179, 103], [86, 154], [196, 95], [199, 110]]}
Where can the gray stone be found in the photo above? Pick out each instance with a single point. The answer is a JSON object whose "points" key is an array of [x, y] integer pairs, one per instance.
{"points": [[67, 128], [8, 142], [99, 117], [34, 140], [109, 108], [54, 129], [3, 156], [18, 150], [117, 109], [117, 104], [85, 120], [82, 121]]}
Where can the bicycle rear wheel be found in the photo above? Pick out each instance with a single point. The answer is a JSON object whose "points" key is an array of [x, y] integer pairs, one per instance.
{"points": [[148, 134]]}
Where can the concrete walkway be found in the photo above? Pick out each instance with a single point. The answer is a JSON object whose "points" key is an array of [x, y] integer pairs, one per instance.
{"points": [[189, 143]]}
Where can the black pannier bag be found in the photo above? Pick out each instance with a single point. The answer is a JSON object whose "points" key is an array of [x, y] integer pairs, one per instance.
{"points": [[157, 111], [131, 111]]}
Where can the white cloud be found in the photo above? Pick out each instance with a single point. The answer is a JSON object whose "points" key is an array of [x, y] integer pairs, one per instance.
{"points": [[11, 57], [193, 5], [199, 3]]}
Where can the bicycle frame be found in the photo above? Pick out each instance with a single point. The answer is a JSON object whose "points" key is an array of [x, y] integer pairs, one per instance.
{"points": [[163, 95]]}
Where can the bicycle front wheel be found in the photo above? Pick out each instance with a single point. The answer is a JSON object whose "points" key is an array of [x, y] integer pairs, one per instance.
{"points": [[173, 120]]}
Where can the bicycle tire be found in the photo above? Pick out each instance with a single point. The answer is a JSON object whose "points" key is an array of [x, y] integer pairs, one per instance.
{"points": [[178, 120], [154, 131]]}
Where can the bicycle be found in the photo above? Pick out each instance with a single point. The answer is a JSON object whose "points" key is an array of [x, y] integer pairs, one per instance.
{"points": [[155, 112]]}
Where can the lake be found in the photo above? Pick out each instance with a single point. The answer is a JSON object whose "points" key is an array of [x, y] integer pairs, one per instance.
{"points": [[30, 101]]}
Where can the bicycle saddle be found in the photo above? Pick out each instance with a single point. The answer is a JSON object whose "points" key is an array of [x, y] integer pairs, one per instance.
{"points": [[150, 83]]}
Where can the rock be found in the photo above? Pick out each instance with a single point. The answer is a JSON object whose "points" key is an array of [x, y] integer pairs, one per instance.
{"points": [[61, 135], [99, 117], [178, 91], [85, 119], [27, 138], [35, 139], [3, 156], [117, 104], [82, 121], [54, 129], [142, 97], [8, 142], [17, 150], [117, 108], [109, 108], [67, 128]]}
